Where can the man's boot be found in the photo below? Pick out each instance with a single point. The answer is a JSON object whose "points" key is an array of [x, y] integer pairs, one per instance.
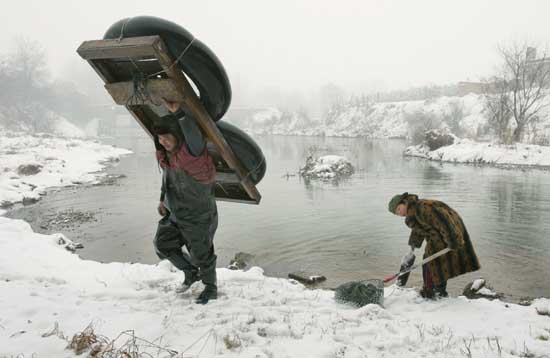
{"points": [[190, 278], [441, 290], [210, 292]]}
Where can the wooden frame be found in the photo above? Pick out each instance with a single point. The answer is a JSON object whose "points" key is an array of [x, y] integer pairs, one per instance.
{"points": [[157, 89], [113, 59]]}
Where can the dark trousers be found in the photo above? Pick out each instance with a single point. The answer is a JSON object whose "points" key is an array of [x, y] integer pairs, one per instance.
{"points": [[430, 289], [197, 239]]}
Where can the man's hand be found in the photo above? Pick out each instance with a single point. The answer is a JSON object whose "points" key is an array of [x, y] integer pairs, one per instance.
{"points": [[161, 209]]}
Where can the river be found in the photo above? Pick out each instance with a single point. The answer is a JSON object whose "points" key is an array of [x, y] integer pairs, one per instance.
{"points": [[341, 230]]}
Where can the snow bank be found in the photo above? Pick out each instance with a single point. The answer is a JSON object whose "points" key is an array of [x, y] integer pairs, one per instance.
{"points": [[60, 162], [274, 121], [43, 285], [467, 151], [380, 120]]}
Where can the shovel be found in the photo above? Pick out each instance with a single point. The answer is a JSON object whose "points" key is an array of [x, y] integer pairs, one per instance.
{"points": [[426, 260], [363, 292]]}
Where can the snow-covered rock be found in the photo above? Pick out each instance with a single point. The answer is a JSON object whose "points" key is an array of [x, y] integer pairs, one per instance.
{"points": [[436, 139], [479, 289], [487, 292], [468, 151], [327, 167], [542, 306], [478, 284]]}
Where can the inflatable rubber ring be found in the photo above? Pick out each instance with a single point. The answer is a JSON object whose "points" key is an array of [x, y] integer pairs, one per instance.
{"points": [[246, 150], [199, 63]]}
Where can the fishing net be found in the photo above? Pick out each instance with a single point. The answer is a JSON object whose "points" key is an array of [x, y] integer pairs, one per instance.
{"points": [[360, 293]]}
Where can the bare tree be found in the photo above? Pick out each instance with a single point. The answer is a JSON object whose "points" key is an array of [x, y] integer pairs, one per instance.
{"points": [[497, 106], [5, 78], [24, 90], [527, 79], [29, 68]]}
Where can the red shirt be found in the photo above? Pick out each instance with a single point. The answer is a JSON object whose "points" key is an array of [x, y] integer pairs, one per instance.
{"points": [[201, 168]]}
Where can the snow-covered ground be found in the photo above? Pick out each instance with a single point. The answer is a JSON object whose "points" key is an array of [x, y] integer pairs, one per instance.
{"points": [[467, 151], [60, 162], [44, 286], [380, 120]]}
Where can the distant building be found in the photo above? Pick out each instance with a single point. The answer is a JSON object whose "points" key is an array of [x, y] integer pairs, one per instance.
{"points": [[534, 62], [465, 88]]}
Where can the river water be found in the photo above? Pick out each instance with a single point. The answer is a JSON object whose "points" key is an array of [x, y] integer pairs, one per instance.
{"points": [[340, 230]]}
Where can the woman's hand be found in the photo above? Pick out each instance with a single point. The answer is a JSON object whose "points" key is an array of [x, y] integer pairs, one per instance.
{"points": [[161, 209]]}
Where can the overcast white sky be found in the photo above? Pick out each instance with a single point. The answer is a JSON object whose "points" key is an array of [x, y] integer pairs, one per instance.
{"points": [[304, 44]]}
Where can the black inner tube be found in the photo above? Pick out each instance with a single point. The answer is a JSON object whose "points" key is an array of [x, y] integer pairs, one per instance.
{"points": [[196, 60]]}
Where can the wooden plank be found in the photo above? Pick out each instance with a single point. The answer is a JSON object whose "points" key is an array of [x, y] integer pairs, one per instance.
{"points": [[130, 47], [227, 177], [126, 68], [191, 101], [142, 118], [240, 201], [103, 71], [154, 89], [232, 193]]}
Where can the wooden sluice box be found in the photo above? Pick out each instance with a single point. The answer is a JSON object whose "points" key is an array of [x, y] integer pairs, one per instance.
{"points": [[139, 72]]}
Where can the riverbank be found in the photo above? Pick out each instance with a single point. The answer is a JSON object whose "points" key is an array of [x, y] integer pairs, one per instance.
{"points": [[470, 152], [32, 163], [49, 295], [55, 295]]}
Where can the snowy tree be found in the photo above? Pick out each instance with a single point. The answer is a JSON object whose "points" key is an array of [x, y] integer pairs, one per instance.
{"points": [[30, 101], [526, 79], [29, 71], [23, 76], [454, 116], [420, 122]]}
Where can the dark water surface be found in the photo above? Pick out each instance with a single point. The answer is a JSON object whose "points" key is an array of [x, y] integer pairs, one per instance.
{"points": [[341, 230]]}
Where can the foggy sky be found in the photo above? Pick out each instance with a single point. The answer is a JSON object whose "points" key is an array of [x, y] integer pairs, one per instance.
{"points": [[300, 45]]}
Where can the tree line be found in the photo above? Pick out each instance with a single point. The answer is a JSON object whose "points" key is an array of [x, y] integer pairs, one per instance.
{"points": [[29, 99]]}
